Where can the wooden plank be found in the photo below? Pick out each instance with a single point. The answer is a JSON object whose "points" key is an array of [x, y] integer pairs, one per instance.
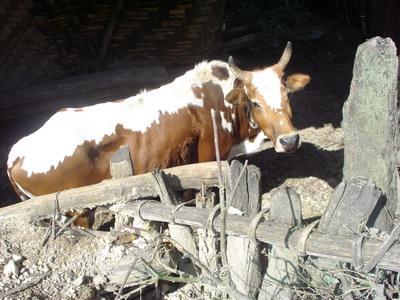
{"points": [[121, 164], [243, 254], [283, 268], [339, 247], [351, 206], [121, 167], [113, 191], [180, 233]]}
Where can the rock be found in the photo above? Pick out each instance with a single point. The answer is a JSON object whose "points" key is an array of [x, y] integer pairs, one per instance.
{"points": [[17, 258], [80, 280], [370, 121], [99, 280], [69, 275], [85, 292], [11, 269]]}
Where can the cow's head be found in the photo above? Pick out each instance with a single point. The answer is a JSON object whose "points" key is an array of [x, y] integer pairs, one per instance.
{"points": [[264, 94]]}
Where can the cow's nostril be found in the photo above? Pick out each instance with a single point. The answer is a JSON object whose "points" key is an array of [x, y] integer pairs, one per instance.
{"points": [[291, 141]]}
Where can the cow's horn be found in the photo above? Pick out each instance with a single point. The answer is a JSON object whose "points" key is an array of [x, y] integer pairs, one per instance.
{"points": [[239, 73], [285, 58], [234, 68]]}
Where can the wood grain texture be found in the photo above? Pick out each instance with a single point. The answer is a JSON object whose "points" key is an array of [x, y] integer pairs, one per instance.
{"points": [[338, 247], [243, 254], [115, 191]]}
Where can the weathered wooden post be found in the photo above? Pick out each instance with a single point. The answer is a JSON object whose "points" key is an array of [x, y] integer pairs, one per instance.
{"points": [[120, 167], [121, 164], [283, 267], [370, 121], [208, 242], [180, 233], [243, 254], [349, 210]]}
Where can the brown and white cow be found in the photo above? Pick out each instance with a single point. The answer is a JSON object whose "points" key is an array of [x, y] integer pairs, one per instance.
{"points": [[165, 127]]}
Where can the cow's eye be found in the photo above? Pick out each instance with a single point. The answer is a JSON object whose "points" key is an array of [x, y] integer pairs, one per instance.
{"points": [[254, 104]]}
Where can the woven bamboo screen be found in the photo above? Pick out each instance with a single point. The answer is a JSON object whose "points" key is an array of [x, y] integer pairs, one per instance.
{"points": [[178, 31]]}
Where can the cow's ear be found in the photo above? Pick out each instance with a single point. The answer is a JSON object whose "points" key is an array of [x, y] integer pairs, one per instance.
{"points": [[236, 96], [296, 82]]}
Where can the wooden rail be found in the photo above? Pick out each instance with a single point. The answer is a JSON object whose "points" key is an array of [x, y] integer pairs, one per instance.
{"points": [[115, 191], [337, 247]]}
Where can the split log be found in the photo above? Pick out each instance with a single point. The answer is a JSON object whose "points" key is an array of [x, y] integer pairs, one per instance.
{"points": [[180, 233], [352, 204], [121, 167], [283, 264], [121, 164], [208, 242], [79, 91], [244, 254], [318, 244], [114, 191], [351, 207]]}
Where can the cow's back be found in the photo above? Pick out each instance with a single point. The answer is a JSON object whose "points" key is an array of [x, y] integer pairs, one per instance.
{"points": [[74, 146]]}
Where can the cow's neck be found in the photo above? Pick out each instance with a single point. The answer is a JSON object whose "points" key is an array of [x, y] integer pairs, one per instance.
{"points": [[242, 125]]}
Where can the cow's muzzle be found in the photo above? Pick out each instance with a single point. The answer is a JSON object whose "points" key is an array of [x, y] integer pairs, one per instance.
{"points": [[288, 143]]}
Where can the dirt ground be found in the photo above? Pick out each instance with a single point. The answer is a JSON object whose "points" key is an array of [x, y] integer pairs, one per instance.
{"points": [[323, 48]]}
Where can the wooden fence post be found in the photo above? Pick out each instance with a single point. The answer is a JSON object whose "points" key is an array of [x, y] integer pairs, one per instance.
{"points": [[243, 254], [120, 167], [283, 267], [121, 164], [180, 233], [370, 121], [208, 243], [352, 206]]}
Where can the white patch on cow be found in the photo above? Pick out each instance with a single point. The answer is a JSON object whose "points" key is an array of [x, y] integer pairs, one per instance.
{"points": [[225, 124], [268, 84], [247, 146], [59, 137], [280, 122]]}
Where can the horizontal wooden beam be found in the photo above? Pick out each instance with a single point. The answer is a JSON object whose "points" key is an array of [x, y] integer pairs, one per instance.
{"points": [[113, 191], [338, 247]]}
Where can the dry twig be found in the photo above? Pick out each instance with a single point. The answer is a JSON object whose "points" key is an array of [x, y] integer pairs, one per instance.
{"points": [[25, 286], [222, 198]]}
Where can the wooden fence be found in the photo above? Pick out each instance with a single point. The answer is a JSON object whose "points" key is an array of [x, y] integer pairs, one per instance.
{"points": [[340, 236]]}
